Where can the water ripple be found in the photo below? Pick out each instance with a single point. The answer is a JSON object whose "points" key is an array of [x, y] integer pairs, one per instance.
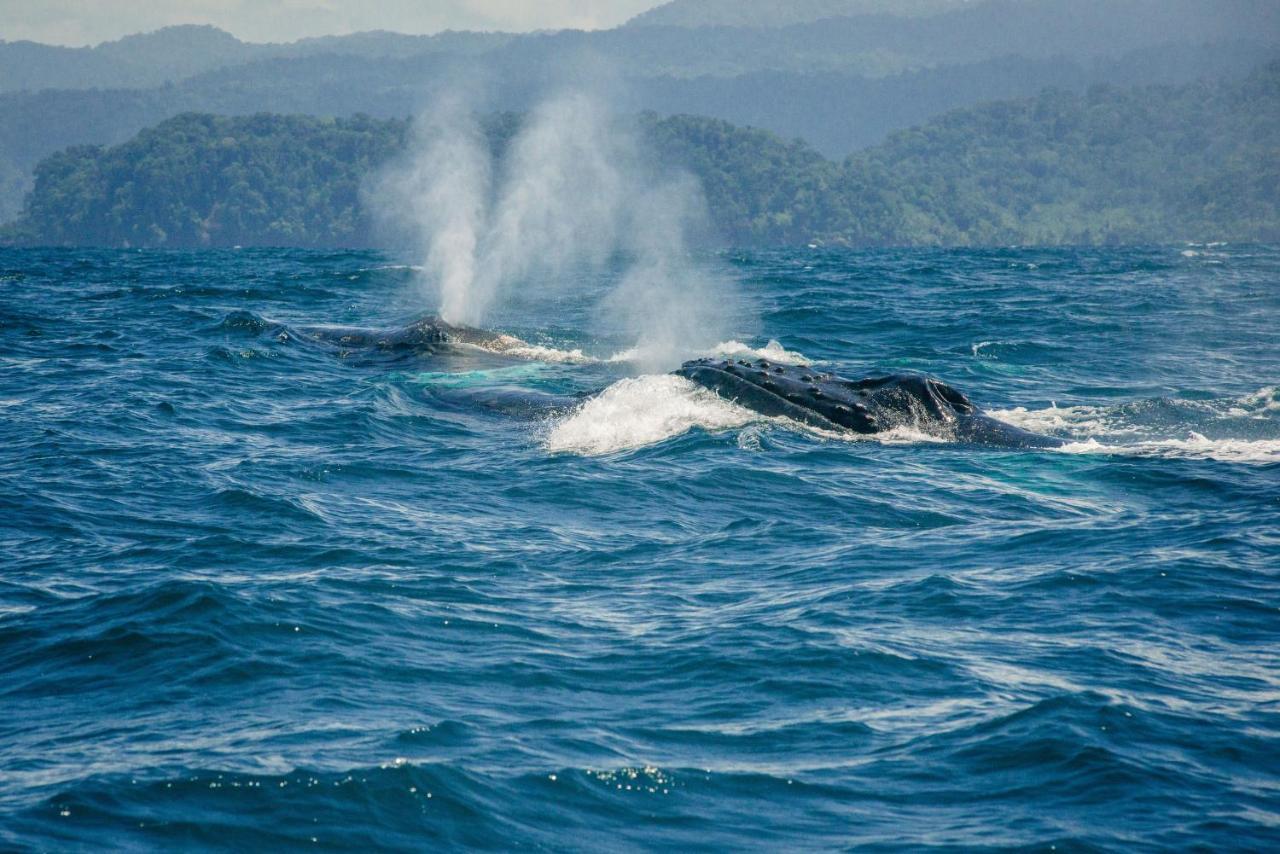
{"points": [[258, 595]]}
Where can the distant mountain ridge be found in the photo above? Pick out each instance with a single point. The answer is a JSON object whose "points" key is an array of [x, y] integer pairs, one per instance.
{"points": [[769, 13], [1142, 165], [174, 54], [869, 42], [143, 60], [841, 83]]}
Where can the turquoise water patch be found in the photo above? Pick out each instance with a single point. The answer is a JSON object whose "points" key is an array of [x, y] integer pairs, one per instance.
{"points": [[471, 379]]}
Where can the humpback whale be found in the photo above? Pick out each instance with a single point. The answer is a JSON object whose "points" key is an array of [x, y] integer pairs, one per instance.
{"points": [[424, 336], [870, 405], [802, 393]]}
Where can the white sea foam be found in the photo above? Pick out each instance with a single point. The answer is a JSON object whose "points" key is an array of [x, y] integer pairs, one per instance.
{"points": [[538, 353], [1266, 399], [510, 345], [1095, 421], [631, 354], [633, 413], [900, 435], [773, 352], [1083, 421], [1205, 251], [1110, 430], [640, 411], [1195, 446]]}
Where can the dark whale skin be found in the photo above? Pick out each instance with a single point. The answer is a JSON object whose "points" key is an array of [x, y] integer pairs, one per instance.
{"points": [[870, 405], [424, 336]]}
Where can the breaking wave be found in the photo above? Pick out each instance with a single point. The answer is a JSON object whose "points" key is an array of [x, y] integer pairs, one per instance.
{"points": [[641, 411], [1240, 429]]}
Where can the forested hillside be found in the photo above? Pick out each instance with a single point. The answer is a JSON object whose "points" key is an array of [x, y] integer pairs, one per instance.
{"points": [[201, 180], [841, 74], [1143, 165], [1148, 164]]}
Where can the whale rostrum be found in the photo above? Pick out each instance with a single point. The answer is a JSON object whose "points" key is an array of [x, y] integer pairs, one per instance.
{"points": [[871, 405]]}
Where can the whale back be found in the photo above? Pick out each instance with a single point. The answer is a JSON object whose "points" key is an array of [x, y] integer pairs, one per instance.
{"points": [[870, 405], [424, 336]]}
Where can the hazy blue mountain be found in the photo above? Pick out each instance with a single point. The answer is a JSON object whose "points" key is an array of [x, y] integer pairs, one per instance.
{"points": [[30, 66], [1145, 164], [877, 45], [178, 52], [840, 83], [866, 44], [381, 43], [174, 54], [1142, 165], [769, 13], [145, 60], [839, 113], [835, 111]]}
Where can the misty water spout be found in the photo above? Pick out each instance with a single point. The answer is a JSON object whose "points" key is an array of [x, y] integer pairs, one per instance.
{"points": [[574, 190]]}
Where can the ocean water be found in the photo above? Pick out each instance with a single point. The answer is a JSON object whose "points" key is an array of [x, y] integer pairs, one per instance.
{"points": [[260, 594]]}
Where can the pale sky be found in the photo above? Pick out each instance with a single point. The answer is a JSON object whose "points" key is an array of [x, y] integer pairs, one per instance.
{"points": [[81, 22]]}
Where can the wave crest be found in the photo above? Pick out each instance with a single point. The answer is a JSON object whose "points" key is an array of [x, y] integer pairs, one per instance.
{"points": [[641, 411], [1176, 429]]}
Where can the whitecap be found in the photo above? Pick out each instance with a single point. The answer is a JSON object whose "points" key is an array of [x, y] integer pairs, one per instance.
{"points": [[510, 345], [640, 411], [1265, 399], [1109, 430], [1195, 446], [980, 346], [772, 352], [1080, 421]]}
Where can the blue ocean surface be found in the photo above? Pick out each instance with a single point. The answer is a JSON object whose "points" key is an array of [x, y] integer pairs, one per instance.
{"points": [[259, 593]]}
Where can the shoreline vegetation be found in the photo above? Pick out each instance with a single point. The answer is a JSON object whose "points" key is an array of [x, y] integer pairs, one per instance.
{"points": [[1110, 165]]}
